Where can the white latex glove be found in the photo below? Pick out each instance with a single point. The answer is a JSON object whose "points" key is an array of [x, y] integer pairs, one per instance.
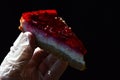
{"points": [[25, 62]]}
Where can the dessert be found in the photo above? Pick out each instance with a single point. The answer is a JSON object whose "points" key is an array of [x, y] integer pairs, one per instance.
{"points": [[55, 36]]}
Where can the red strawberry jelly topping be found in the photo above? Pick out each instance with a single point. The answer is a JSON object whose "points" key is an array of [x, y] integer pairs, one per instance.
{"points": [[49, 22]]}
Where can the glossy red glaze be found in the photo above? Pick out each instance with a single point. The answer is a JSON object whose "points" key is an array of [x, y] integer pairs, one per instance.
{"points": [[53, 25]]}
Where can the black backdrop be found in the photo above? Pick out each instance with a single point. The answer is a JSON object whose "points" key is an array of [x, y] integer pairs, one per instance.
{"points": [[88, 19]]}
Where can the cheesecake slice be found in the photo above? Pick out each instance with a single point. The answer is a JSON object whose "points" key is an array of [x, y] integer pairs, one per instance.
{"points": [[55, 36]]}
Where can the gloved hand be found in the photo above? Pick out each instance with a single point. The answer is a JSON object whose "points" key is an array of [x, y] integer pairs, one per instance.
{"points": [[26, 62]]}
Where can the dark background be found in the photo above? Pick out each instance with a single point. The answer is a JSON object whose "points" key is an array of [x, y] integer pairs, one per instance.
{"points": [[90, 20]]}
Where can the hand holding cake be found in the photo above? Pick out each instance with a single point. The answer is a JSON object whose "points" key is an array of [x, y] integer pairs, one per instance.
{"points": [[43, 50], [27, 62]]}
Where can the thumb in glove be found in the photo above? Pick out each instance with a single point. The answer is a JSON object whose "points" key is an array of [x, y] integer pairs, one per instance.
{"points": [[18, 56]]}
